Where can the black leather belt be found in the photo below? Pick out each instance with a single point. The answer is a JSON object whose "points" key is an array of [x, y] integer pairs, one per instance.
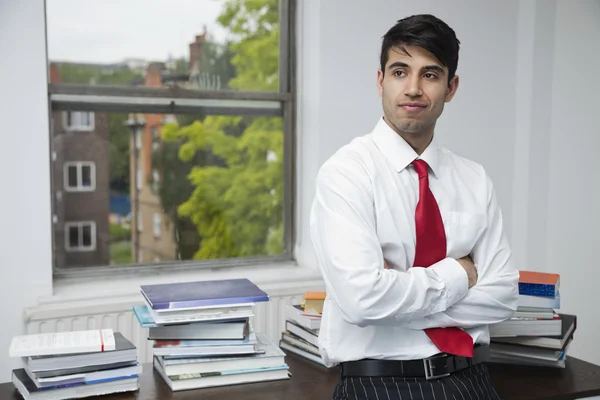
{"points": [[436, 366]]}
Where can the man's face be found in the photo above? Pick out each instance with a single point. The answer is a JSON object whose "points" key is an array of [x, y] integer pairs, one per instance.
{"points": [[414, 89]]}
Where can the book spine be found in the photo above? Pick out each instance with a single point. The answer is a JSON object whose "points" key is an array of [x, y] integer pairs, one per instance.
{"points": [[210, 302], [537, 289]]}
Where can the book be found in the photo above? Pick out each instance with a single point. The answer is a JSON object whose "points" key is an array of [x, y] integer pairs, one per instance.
{"points": [[88, 378], [269, 356], [150, 319], [223, 378], [313, 301], [527, 327], [202, 293], [80, 370], [305, 319], [301, 352], [533, 283], [569, 325], [42, 344], [308, 335], [124, 351], [525, 300], [29, 390]]}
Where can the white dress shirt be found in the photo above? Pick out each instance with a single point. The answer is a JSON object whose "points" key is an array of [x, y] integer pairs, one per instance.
{"points": [[364, 212]]}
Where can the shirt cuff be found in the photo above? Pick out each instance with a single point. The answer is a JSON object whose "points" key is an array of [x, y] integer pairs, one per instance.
{"points": [[454, 276]]}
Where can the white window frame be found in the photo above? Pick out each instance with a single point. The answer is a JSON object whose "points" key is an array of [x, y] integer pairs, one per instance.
{"points": [[79, 165], [78, 126], [155, 139], [172, 101], [80, 225], [139, 177], [155, 180], [138, 138], [157, 225]]}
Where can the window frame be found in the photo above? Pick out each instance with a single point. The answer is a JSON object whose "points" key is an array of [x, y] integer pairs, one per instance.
{"points": [[157, 225], [79, 165], [80, 225], [176, 100], [79, 128]]}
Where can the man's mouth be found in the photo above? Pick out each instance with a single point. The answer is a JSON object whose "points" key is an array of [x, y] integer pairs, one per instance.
{"points": [[413, 107]]}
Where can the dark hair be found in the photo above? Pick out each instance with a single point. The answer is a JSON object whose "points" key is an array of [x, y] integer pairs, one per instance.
{"points": [[425, 31]]}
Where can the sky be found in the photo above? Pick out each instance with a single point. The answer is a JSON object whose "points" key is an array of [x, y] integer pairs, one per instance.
{"points": [[107, 31]]}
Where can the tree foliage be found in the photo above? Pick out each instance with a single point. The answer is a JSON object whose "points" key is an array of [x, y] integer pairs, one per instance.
{"points": [[236, 202]]}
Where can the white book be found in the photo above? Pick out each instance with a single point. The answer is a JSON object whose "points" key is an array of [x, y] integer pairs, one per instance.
{"points": [[46, 344]]}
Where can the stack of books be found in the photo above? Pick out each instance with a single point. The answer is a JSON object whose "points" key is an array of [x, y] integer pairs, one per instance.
{"points": [[302, 324], [75, 364], [203, 336], [536, 334]]}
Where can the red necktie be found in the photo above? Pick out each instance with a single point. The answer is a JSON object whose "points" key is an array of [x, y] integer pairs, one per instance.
{"points": [[431, 248]]}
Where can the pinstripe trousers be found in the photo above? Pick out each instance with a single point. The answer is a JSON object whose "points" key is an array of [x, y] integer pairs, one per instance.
{"points": [[473, 383]]}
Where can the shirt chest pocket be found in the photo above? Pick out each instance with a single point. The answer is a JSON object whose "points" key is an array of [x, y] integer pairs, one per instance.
{"points": [[463, 230]]}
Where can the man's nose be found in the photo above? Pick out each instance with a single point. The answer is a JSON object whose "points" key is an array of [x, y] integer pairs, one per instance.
{"points": [[413, 87]]}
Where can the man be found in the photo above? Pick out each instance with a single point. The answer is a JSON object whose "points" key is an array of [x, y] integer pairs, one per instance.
{"points": [[409, 239]]}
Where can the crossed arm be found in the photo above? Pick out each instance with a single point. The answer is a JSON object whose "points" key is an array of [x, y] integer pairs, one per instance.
{"points": [[352, 263]]}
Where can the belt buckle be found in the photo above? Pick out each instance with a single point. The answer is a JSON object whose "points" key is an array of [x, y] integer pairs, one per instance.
{"points": [[429, 367]]}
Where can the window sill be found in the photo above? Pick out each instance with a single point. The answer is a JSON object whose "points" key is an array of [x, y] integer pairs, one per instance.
{"points": [[272, 277]]}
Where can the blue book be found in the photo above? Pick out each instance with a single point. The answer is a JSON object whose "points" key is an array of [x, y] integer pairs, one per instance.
{"points": [[171, 296]]}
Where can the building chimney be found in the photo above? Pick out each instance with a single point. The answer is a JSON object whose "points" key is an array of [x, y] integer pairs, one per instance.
{"points": [[154, 74], [196, 49], [54, 73]]}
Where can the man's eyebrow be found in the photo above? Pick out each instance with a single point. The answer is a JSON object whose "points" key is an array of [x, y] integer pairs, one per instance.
{"points": [[398, 64], [435, 68]]}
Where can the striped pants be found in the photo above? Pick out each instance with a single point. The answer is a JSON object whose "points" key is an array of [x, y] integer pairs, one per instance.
{"points": [[473, 383]]}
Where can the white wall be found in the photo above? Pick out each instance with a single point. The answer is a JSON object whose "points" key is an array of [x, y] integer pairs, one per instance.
{"points": [[25, 230], [573, 165], [524, 110]]}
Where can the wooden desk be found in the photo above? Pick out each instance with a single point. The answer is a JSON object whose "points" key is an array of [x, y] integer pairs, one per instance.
{"points": [[313, 382]]}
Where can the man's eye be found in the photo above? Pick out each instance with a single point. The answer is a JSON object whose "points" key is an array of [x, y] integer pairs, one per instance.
{"points": [[398, 73], [430, 76]]}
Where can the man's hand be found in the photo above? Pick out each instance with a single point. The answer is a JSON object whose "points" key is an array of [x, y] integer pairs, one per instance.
{"points": [[467, 264]]}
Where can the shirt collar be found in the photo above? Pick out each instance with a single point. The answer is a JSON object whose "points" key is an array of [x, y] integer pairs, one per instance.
{"points": [[399, 152]]}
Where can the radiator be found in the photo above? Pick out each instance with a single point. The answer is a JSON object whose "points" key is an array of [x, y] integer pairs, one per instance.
{"points": [[118, 315]]}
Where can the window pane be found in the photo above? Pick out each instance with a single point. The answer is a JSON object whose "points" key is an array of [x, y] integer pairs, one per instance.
{"points": [[86, 236], [73, 236], [215, 189], [86, 176], [85, 119], [201, 44], [72, 176]]}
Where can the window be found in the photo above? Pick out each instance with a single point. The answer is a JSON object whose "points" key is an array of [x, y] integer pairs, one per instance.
{"points": [[157, 225], [79, 176], [155, 139], [155, 180], [206, 116], [79, 121], [138, 139], [139, 219], [139, 179], [80, 236]]}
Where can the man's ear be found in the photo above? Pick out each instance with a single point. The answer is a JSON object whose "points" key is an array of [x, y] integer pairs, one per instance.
{"points": [[380, 82], [452, 88]]}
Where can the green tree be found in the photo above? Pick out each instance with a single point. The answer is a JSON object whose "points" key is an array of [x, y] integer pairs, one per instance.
{"points": [[236, 202]]}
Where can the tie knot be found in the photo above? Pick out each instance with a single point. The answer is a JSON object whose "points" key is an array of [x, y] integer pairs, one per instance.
{"points": [[421, 167]]}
